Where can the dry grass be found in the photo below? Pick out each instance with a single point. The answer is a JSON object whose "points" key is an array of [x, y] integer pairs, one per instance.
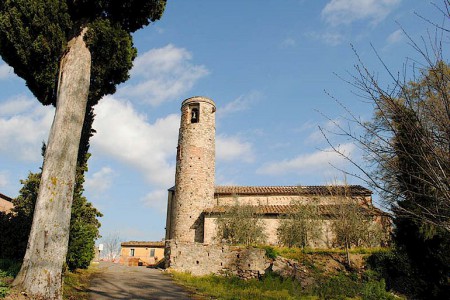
{"points": [[76, 283]]}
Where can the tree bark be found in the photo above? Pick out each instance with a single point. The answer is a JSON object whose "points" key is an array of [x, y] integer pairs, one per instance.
{"points": [[41, 273]]}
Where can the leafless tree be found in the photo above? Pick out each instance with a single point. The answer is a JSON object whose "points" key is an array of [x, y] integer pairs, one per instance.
{"points": [[407, 144], [111, 247]]}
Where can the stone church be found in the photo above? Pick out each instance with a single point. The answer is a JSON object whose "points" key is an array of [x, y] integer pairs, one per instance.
{"points": [[195, 202]]}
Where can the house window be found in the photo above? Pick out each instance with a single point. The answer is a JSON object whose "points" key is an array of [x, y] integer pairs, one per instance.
{"points": [[152, 252], [131, 252]]}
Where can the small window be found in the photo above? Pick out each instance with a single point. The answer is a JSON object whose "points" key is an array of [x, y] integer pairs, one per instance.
{"points": [[152, 252], [131, 252]]}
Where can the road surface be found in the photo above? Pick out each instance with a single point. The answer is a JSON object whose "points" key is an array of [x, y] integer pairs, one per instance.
{"points": [[115, 281]]}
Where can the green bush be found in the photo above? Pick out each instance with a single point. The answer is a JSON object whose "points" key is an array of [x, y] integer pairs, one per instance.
{"points": [[4, 291], [337, 287], [395, 270], [9, 267], [84, 224], [376, 290], [271, 252]]}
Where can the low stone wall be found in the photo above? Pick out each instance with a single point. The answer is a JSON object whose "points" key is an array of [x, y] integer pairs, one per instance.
{"points": [[203, 259], [290, 268]]}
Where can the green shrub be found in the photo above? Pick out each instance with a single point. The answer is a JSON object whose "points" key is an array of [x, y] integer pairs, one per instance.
{"points": [[8, 270], [376, 290], [9, 267], [271, 252], [4, 291], [337, 287]]}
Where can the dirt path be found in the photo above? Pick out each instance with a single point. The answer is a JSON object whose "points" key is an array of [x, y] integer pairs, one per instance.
{"points": [[115, 281]]}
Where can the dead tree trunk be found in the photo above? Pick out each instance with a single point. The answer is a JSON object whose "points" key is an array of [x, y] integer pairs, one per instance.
{"points": [[40, 276]]}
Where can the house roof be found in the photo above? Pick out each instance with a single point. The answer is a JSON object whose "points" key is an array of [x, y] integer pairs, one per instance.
{"points": [[142, 244], [5, 203], [4, 197], [290, 190], [285, 209]]}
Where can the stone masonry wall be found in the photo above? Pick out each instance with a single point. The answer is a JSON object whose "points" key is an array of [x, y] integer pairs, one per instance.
{"points": [[203, 259]]}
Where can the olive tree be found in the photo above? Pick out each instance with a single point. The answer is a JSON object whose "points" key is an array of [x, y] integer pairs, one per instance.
{"points": [[300, 226], [240, 225]]}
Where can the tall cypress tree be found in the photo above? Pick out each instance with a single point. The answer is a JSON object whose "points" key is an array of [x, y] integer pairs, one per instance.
{"points": [[414, 165], [70, 53], [422, 245]]}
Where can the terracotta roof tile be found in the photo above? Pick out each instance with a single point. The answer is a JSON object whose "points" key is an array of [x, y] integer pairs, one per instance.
{"points": [[5, 197], [142, 244], [285, 209], [290, 190]]}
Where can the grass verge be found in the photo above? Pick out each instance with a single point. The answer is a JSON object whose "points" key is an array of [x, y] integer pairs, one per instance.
{"points": [[75, 283], [273, 287], [272, 252], [233, 288]]}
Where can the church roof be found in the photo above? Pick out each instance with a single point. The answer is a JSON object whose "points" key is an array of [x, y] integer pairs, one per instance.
{"points": [[355, 190], [292, 190], [285, 209]]}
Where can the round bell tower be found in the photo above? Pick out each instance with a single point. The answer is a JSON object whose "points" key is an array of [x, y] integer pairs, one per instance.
{"points": [[195, 170]]}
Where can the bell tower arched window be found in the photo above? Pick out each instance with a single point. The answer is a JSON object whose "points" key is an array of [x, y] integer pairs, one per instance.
{"points": [[195, 114]]}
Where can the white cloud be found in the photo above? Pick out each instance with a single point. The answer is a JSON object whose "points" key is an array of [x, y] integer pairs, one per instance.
{"points": [[317, 162], [4, 180], [156, 199], [395, 37], [16, 105], [100, 181], [24, 125], [330, 127], [163, 74], [329, 37], [288, 42], [241, 103], [126, 135], [5, 71], [230, 148], [338, 12]]}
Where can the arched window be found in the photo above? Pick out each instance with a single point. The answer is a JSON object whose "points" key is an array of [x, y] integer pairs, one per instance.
{"points": [[195, 117]]}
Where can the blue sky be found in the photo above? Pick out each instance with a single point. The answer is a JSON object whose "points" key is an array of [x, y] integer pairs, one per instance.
{"points": [[266, 64]]}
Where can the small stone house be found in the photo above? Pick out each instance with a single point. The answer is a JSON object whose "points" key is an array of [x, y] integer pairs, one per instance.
{"points": [[135, 253], [5, 203]]}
